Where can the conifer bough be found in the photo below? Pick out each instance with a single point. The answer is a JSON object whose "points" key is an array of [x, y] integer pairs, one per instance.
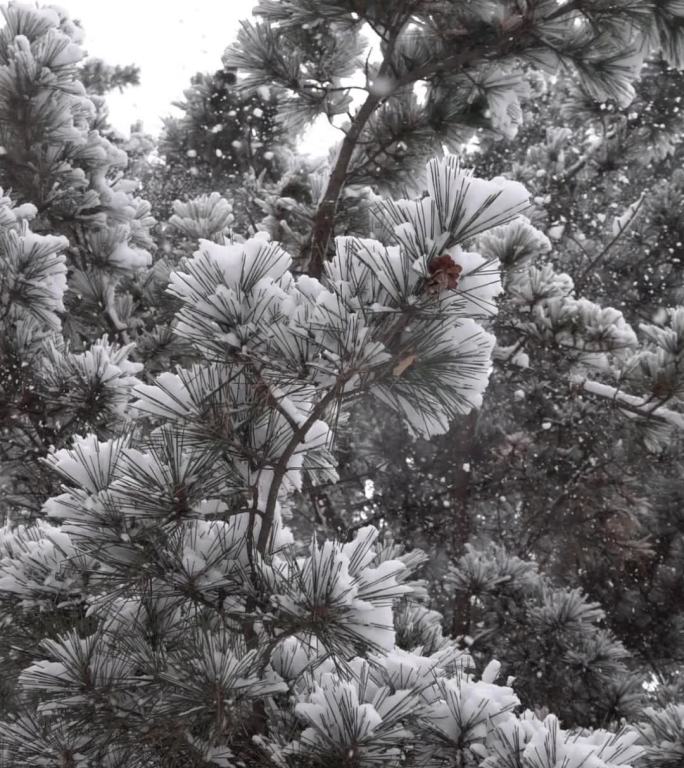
{"points": [[460, 52], [160, 612]]}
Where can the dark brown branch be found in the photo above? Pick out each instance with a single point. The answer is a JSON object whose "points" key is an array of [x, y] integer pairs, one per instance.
{"points": [[324, 219], [282, 466]]}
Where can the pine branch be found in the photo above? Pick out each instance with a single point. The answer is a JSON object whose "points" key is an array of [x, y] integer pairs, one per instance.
{"points": [[324, 218], [633, 404], [577, 166], [119, 329], [579, 282], [281, 468]]}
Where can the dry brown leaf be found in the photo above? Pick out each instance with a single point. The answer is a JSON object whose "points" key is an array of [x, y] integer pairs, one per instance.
{"points": [[403, 364]]}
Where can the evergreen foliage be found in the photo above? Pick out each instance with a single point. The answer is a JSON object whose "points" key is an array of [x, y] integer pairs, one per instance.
{"points": [[222, 139], [100, 78], [165, 597], [555, 470], [60, 374], [469, 58], [552, 639]]}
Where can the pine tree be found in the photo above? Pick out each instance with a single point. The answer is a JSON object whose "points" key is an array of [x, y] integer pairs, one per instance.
{"points": [[100, 78], [48, 392], [65, 343], [161, 612], [223, 140], [619, 472], [566, 462], [183, 622], [468, 58], [223, 132], [72, 174], [627, 527], [551, 639]]}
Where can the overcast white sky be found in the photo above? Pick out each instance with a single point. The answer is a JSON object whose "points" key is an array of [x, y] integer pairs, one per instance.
{"points": [[169, 40]]}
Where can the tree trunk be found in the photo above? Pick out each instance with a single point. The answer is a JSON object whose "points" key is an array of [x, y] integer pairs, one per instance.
{"points": [[463, 437]]}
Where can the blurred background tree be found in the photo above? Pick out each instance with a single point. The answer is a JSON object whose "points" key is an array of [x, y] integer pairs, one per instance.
{"points": [[221, 137]]}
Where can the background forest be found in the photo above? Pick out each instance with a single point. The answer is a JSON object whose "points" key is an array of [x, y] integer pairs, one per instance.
{"points": [[366, 460]]}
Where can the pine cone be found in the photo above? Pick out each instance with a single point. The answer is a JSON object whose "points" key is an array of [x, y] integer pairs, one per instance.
{"points": [[444, 274]]}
